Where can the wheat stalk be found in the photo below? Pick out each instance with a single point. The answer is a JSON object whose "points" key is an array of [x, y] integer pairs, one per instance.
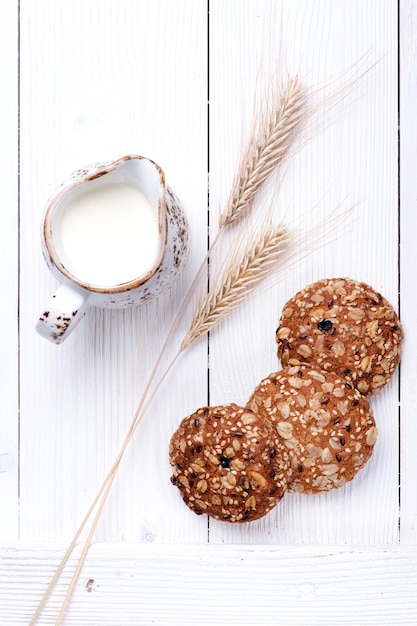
{"points": [[265, 154], [245, 270], [270, 143]]}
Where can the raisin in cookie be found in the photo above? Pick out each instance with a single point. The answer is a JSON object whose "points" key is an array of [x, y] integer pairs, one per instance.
{"points": [[229, 462], [326, 425], [343, 326]]}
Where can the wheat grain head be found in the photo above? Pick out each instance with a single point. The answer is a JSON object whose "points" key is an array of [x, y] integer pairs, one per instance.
{"points": [[270, 143], [247, 267]]}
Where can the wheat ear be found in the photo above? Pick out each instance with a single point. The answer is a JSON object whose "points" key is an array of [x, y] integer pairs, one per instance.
{"points": [[245, 270], [270, 143]]}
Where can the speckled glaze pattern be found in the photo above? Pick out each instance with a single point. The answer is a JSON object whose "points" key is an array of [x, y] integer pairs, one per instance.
{"points": [[73, 297]]}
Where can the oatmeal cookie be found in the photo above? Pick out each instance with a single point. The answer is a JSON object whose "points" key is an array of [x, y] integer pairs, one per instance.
{"points": [[229, 462], [324, 422], [343, 326]]}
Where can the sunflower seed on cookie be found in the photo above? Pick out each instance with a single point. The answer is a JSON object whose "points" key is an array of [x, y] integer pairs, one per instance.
{"points": [[325, 423]]}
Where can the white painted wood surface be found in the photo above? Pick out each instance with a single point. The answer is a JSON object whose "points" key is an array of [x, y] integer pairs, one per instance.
{"points": [[90, 80]]}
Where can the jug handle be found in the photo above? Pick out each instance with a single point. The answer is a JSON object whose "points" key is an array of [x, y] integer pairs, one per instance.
{"points": [[65, 310]]}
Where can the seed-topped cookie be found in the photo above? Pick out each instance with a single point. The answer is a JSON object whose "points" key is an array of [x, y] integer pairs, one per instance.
{"points": [[229, 462], [324, 422], [343, 326]]}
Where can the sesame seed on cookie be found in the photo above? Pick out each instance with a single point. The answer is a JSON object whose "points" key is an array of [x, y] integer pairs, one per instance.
{"points": [[229, 462]]}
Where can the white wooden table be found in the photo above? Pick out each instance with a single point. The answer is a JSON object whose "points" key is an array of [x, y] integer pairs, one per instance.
{"points": [[90, 80]]}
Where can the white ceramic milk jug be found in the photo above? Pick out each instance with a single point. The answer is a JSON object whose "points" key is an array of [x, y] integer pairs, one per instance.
{"points": [[115, 236]]}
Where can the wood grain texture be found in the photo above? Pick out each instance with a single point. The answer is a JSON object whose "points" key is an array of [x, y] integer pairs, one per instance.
{"points": [[180, 81], [9, 234], [408, 270], [234, 585]]}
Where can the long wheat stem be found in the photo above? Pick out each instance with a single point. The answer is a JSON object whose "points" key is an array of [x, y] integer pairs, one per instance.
{"points": [[102, 493]]}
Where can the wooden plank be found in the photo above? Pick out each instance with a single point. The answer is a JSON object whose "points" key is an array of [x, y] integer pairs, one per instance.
{"points": [[9, 262], [408, 188], [99, 80], [349, 158], [239, 586]]}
